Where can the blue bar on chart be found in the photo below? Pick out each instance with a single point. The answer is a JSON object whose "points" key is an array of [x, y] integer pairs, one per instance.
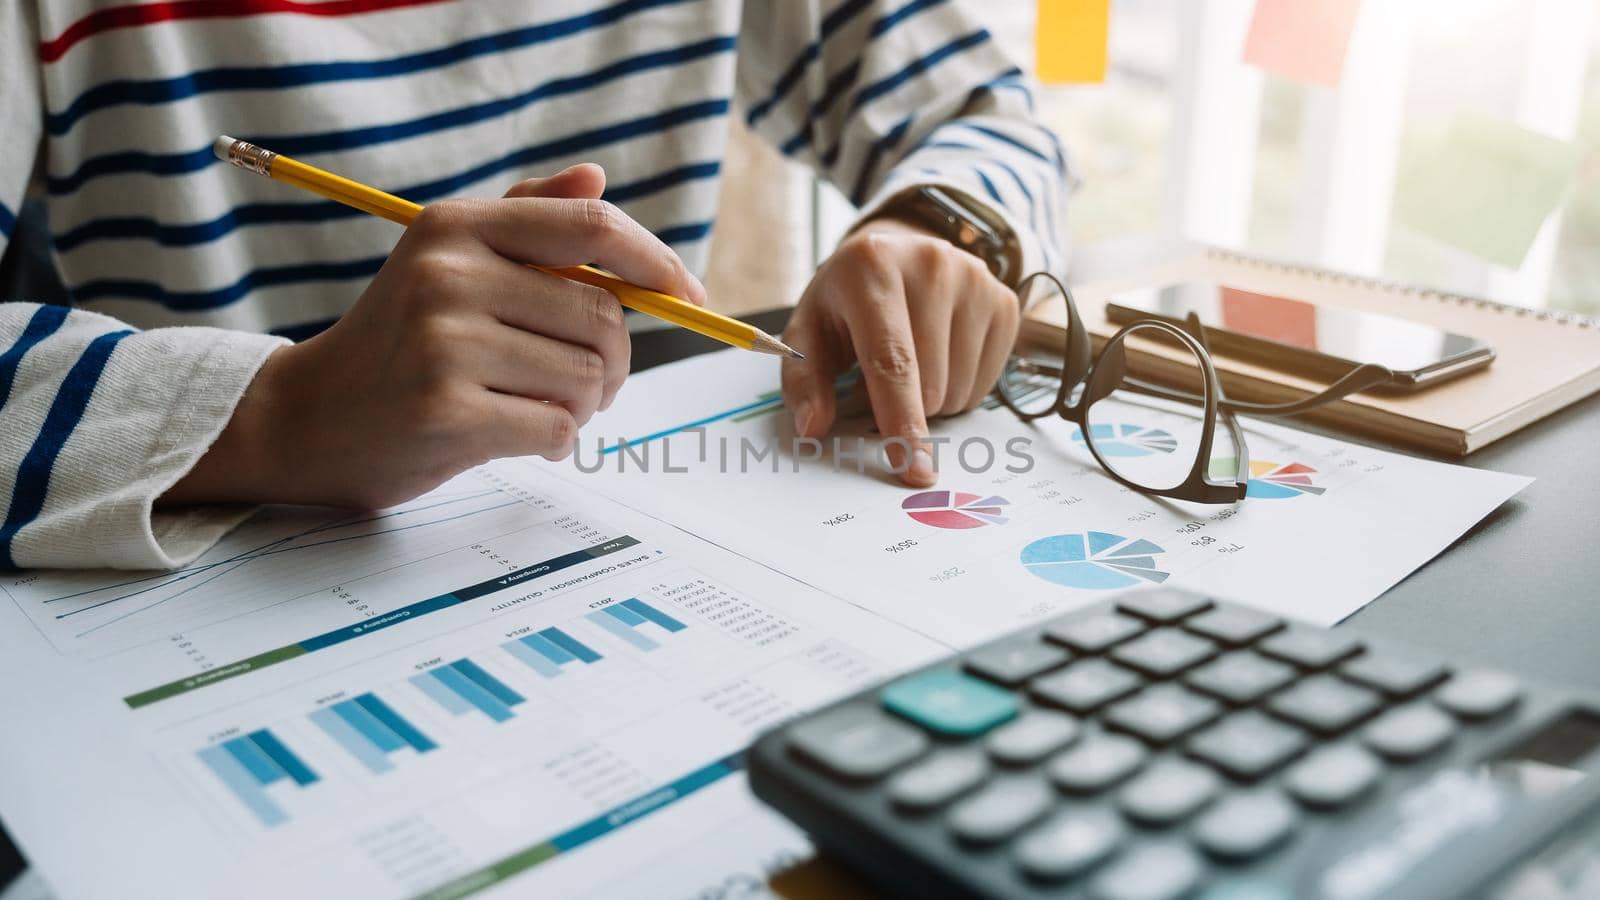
{"points": [[463, 685], [246, 765], [548, 650], [370, 730], [571, 645], [626, 618]]}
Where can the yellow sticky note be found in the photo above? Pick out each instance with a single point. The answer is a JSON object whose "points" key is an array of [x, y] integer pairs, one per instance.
{"points": [[1070, 40]]}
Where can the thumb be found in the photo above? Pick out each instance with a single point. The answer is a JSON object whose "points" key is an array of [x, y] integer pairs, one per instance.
{"points": [[584, 181]]}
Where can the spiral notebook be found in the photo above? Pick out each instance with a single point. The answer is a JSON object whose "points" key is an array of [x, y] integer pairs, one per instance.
{"points": [[1545, 360]]}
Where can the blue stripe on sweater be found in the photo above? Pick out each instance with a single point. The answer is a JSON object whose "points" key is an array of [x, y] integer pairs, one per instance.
{"points": [[8, 221], [326, 210], [1002, 137], [304, 330], [916, 67], [46, 320], [66, 411], [194, 301], [834, 21], [989, 187], [166, 164], [684, 234], [845, 79], [791, 76], [875, 155], [280, 276], [262, 78]]}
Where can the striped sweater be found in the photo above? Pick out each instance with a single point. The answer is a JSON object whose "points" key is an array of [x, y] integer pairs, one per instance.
{"points": [[186, 275]]}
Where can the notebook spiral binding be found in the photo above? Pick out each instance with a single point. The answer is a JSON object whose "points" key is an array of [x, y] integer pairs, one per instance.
{"points": [[1376, 284]]}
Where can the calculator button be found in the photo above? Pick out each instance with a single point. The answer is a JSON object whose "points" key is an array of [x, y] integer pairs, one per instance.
{"points": [[1397, 676], [1013, 662], [1248, 744], [1408, 732], [1324, 704], [950, 702], [1332, 776], [938, 779], [1085, 686], [1163, 605], [1000, 810], [1168, 791], [1149, 872], [1245, 824], [1241, 677], [1233, 625], [1069, 843], [1313, 648], [1478, 694], [1163, 713], [1096, 763], [1163, 652], [857, 742], [1032, 737], [1095, 633]]}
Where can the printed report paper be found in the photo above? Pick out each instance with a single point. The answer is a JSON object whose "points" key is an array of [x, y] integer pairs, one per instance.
{"points": [[1327, 527], [516, 686], [507, 685]]}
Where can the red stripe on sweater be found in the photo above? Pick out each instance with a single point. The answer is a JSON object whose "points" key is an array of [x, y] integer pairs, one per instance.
{"points": [[135, 15]]}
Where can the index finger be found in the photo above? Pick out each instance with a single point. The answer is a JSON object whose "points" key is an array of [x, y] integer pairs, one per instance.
{"points": [[880, 333], [547, 231]]}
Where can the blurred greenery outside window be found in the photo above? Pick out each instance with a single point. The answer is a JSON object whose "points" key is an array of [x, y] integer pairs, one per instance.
{"points": [[1184, 137]]}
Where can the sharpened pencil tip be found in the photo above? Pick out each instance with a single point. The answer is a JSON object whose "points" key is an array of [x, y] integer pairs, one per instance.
{"points": [[766, 343]]}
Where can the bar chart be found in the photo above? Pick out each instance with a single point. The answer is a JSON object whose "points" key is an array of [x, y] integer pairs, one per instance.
{"points": [[627, 620], [547, 651], [249, 765], [463, 686], [371, 730]]}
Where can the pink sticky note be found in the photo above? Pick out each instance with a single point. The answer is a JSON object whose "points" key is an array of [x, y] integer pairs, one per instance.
{"points": [[1302, 39]]}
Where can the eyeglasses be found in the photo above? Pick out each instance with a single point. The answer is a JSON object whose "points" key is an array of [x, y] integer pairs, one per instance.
{"points": [[1160, 439]]}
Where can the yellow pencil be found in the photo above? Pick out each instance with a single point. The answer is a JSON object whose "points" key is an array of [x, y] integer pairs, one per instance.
{"points": [[713, 325]]}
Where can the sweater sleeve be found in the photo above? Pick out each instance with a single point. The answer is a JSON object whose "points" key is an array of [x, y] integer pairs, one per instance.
{"points": [[97, 421], [880, 96], [21, 111]]}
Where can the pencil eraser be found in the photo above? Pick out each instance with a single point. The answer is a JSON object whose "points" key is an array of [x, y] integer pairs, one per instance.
{"points": [[221, 146]]}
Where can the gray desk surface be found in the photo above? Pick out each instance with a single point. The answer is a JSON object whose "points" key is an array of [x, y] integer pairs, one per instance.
{"points": [[1520, 591]]}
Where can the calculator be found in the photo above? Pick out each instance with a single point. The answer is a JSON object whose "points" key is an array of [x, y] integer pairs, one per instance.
{"points": [[1165, 744]]}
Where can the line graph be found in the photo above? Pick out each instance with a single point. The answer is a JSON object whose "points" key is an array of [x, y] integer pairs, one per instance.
{"points": [[235, 562], [334, 566]]}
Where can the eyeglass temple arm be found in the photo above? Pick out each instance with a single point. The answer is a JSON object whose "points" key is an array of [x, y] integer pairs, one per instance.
{"points": [[1367, 375], [1362, 377]]}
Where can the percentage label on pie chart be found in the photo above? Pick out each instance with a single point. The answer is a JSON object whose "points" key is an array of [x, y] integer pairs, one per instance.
{"points": [[1125, 439], [1094, 560], [1274, 481], [956, 509]]}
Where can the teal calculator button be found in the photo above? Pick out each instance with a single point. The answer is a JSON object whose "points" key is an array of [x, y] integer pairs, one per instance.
{"points": [[949, 702]]}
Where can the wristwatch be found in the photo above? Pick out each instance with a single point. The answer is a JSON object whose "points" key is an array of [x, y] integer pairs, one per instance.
{"points": [[962, 221]]}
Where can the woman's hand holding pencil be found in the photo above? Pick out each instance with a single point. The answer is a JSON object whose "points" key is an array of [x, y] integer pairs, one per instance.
{"points": [[456, 353]]}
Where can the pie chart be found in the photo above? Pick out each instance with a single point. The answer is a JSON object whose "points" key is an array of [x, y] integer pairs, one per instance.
{"points": [[1093, 560], [1126, 439], [1274, 481], [956, 509]]}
